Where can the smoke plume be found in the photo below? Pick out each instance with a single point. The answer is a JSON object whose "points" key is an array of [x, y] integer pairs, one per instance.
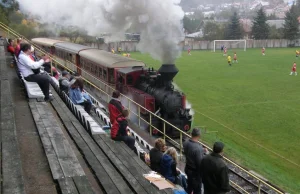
{"points": [[158, 21]]}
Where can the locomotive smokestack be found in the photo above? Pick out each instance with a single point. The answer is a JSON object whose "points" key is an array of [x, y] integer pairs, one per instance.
{"points": [[168, 72]]}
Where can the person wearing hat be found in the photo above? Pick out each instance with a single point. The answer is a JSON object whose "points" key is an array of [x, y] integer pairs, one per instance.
{"points": [[194, 153], [214, 172], [64, 83]]}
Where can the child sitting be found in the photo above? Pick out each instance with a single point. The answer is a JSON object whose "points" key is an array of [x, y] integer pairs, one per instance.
{"points": [[119, 132]]}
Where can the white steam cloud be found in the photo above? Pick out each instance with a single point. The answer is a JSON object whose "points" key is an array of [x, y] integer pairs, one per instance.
{"points": [[158, 21]]}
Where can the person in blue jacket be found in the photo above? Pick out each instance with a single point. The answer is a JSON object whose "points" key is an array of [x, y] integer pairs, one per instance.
{"points": [[168, 168], [77, 96]]}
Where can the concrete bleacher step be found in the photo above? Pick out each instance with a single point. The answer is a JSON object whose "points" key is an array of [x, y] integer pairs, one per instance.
{"points": [[12, 174]]}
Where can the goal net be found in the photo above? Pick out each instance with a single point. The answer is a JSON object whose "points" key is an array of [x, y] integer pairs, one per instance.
{"points": [[229, 44]]}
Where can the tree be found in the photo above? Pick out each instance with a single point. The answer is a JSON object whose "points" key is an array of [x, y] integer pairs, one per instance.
{"points": [[73, 33], [3, 15], [275, 33], [234, 29], [191, 25], [291, 25], [260, 28], [298, 7], [212, 31]]}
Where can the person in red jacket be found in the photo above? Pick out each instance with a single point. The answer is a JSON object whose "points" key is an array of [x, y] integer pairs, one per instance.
{"points": [[114, 107], [119, 131], [18, 47], [10, 47]]}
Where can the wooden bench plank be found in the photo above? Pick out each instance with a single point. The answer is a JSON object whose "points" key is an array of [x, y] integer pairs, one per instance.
{"points": [[57, 172], [104, 161], [66, 156], [130, 163], [82, 184], [100, 171], [143, 165], [67, 186], [104, 171], [120, 166]]}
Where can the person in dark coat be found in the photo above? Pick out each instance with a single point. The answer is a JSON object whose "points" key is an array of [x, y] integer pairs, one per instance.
{"points": [[194, 153], [64, 83], [169, 170], [214, 172], [156, 154]]}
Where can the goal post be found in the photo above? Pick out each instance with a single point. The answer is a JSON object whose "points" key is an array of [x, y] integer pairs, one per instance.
{"points": [[230, 44]]}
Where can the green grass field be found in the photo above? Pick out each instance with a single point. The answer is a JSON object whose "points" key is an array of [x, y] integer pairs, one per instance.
{"points": [[253, 107]]}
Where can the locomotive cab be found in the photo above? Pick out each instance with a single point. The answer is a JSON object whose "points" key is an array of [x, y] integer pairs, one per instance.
{"points": [[127, 78]]}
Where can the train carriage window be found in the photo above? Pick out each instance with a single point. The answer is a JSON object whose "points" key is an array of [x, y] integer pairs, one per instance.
{"points": [[96, 70], [74, 59], [111, 77], [82, 63], [104, 74], [100, 73], [129, 80], [92, 67]]}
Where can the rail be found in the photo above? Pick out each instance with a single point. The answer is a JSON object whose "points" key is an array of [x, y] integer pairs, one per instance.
{"points": [[138, 114]]}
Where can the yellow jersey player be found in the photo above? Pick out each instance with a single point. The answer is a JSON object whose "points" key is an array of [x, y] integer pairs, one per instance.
{"points": [[297, 54], [229, 60]]}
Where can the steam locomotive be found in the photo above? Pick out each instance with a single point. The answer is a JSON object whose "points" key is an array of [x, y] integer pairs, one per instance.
{"points": [[151, 89]]}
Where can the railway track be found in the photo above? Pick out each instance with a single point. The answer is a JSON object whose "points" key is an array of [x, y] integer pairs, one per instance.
{"points": [[242, 182]]}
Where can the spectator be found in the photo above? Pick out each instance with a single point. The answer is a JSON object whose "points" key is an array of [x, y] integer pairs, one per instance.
{"points": [[168, 168], [64, 83], [215, 172], [18, 47], [76, 95], [115, 106], [156, 154], [26, 66], [119, 130], [84, 93], [194, 154], [10, 47]]}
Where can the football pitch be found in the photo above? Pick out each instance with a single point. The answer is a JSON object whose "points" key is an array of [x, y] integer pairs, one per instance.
{"points": [[253, 107]]}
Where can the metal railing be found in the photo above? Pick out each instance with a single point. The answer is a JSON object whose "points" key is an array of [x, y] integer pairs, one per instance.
{"points": [[130, 103]]}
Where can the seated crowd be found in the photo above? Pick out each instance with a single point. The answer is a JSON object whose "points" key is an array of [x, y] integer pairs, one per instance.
{"points": [[30, 67]]}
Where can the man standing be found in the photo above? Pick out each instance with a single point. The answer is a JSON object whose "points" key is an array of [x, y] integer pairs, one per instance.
{"points": [[214, 172], [194, 154]]}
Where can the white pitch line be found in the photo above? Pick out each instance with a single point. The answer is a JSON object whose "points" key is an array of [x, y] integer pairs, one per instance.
{"points": [[249, 103]]}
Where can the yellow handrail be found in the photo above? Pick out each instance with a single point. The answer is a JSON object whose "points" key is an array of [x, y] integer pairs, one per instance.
{"points": [[16, 34]]}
